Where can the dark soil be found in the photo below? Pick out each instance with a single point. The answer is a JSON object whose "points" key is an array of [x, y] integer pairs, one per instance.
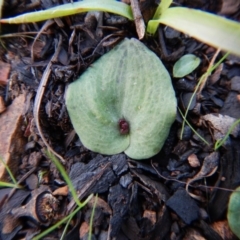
{"points": [[181, 193]]}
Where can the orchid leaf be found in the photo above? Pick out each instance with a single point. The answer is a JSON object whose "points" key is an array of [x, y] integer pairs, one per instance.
{"points": [[185, 65], [211, 29], [164, 5], [123, 102], [73, 8], [233, 214]]}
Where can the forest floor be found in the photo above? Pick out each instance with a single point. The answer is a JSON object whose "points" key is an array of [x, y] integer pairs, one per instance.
{"points": [[181, 193]]}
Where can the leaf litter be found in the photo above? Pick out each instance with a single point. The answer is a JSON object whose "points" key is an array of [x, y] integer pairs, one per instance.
{"points": [[132, 195]]}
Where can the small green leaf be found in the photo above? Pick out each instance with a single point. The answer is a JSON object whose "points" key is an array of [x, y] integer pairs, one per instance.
{"points": [[185, 65], [73, 8], [130, 83], [233, 214]]}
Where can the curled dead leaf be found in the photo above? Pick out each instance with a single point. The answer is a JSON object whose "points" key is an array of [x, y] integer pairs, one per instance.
{"points": [[209, 167]]}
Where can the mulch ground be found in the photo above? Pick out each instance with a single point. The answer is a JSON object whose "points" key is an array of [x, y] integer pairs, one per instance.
{"points": [[181, 193]]}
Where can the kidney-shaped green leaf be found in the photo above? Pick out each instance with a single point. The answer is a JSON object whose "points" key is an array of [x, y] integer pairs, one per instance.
{"points": [[127, 86], [233, 214]]}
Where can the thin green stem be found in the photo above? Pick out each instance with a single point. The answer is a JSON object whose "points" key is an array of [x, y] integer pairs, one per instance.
{"points": [[66, 227], [9, 172], [209, 71], [205, 141], [65, 177], [11, 185], [220, 142], [91, 219]]}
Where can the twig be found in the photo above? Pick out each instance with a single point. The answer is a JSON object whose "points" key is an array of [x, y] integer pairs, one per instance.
{"points": [[44, 27], [23, 178], [20, 34], [138, 19], [39, 95], [189, 185], [100, 43]]}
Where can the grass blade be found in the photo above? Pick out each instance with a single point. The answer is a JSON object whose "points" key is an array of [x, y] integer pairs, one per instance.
{"points": [[65, 176], [91, 219], [6, 184], [9, 172], [207, 73], [220, 142], [65, 228], [73, 8], [211, 29], [195, 132]]}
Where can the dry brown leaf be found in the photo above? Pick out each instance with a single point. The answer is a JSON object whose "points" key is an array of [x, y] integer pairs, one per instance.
{"points": [[209, 167], [220, 125]]}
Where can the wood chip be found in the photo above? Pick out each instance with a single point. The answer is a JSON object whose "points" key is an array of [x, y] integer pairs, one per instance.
{"points": [[229, 7], [232, 105], [184, 206], [63, 191], [222, 228], [235, 84], [151, 216], [11, 136], [4, 72], [193, 234], [193, 160], [100, 204], [84, 229], [2, 105], [209, 167], [38, 47]]}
